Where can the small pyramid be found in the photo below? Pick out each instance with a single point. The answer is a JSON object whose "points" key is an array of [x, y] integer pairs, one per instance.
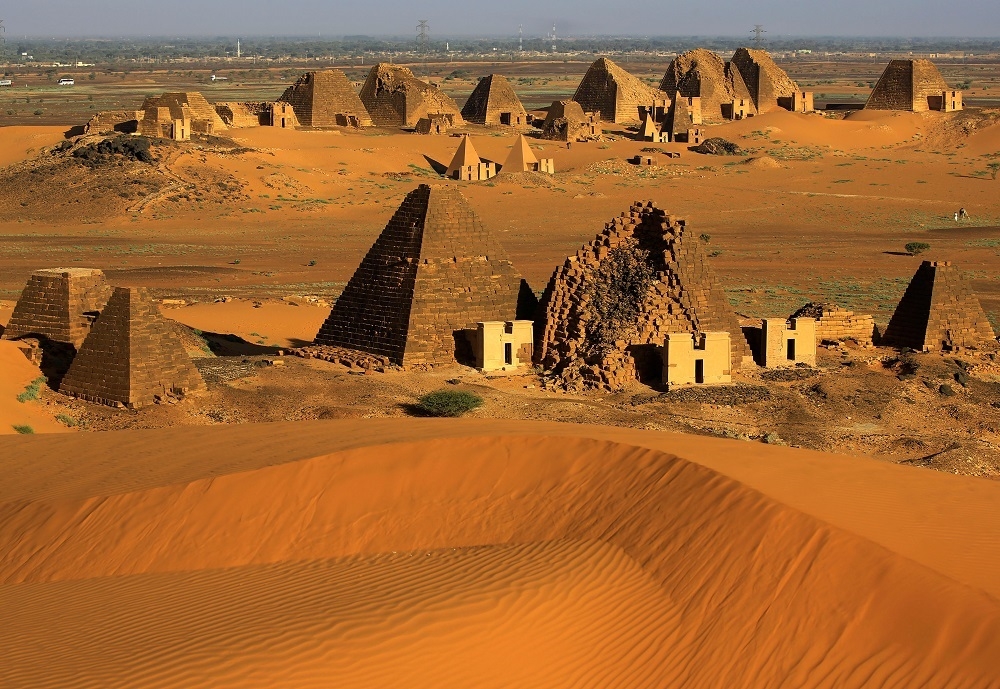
{"points": [[614, 93], [326, 99], [396, 98], [59, 304], [131, 355], [433, 271], [465, 156], [520, 158], [648, 130], [494, 102], [908, 85], [939, 312]]}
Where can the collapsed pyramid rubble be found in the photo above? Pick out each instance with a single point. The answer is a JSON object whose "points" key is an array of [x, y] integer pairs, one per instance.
{"points": [[939, 312], [685, 296], [396, 98], [432, 274], [131, 357]]}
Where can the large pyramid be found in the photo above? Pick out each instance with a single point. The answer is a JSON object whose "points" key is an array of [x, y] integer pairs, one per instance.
{"points": [[326, 99], [396, 98], [494, 102], [914, 85], [434, 271], [683, 296], [131, 355], [700, 73], [764, 79], [938, 312], [59, 304], [614, 93]]}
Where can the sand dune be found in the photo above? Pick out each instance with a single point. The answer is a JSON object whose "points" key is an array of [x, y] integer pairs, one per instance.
{"points": [[21, 143], [16, 373], [423, 553]]}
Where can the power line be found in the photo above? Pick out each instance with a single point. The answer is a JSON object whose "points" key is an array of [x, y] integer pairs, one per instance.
{"points": [[423, 34], [758, 35]]}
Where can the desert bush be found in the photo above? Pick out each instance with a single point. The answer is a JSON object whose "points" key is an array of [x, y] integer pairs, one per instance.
{"points": [[449, 402], [705, 237], [617, 290], [67, 420], [994, 169], [23, 429], [32, 391], [914, 248]]}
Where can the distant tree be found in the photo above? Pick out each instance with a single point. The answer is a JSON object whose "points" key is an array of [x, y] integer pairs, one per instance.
{"points": [[994, 169], [914, 248]]}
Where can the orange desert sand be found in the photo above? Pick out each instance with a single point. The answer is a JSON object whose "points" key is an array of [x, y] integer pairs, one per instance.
{"points": [[446, 553]]}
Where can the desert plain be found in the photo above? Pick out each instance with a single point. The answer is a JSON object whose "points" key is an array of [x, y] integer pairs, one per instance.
{"points": [[294, 525]]}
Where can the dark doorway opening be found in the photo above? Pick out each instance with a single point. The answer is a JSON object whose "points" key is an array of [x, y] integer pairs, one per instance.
{"points": [[505, 118], [699, 371], [508, 354], [790, 354]]}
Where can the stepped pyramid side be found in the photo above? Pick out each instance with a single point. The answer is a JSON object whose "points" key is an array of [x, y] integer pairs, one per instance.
{"points": [[59, 304], [699, 73], [938, 311], [765, 80], [326, 99], [396, 98], [131, 355], [927, 84], [614, 93], [685, 297], [493, 101], [434, 270], [894, 89]]}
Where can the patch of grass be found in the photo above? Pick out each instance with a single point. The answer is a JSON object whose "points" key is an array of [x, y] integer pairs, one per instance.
{"points": [[24, 429], [450, 403], [67, 420], [32, 391]]}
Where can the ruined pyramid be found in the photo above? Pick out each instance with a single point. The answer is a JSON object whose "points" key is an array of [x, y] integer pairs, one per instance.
{"points": [[326, 99], [763, 78], [396, 98], [913, 85], [939, 312], [700, 73], [59, 304], [494, 102], [586, 345], [191, 104], [131, 355], [614, 93], [433, 272]]}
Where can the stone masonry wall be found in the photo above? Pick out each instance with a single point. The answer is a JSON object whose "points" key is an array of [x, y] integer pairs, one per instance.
{"points": [[55, 304]]}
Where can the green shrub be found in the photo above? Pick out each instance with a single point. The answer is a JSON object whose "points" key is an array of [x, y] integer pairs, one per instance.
{"points": [[67, 420], [705, 237], [914, 248], [32, 391], [24, 430], [449, 402], [618, 288]]}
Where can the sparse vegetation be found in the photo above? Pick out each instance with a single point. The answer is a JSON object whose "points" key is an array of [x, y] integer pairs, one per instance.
{"points": [[915, 248], [32, 391], [67, 420], [618, 288], [994, 169], [23, 429], [450, 403], [705, 237]]}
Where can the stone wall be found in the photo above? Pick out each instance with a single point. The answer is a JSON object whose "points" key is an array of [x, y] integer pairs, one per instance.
{"points": [[835, 324], [109, 121], [246, 114], [433, 272]]}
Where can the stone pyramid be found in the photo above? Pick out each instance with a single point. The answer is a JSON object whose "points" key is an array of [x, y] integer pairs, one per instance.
{"points": [[465, 156], [939, 312], [434, 271], [396, 98], [59, 304], [907, 85], [699, 73], [520, 158], [614, 93], [684, 296], [494, 102], [204, 118], [326, 99], [764, 79], [131, 355]]}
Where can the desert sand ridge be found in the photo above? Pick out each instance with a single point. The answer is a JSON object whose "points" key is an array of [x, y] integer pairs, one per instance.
{"points": [[594, 556]]}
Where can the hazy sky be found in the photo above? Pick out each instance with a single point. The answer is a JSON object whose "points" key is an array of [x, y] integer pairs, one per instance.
{"points": [[958, 18]]}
